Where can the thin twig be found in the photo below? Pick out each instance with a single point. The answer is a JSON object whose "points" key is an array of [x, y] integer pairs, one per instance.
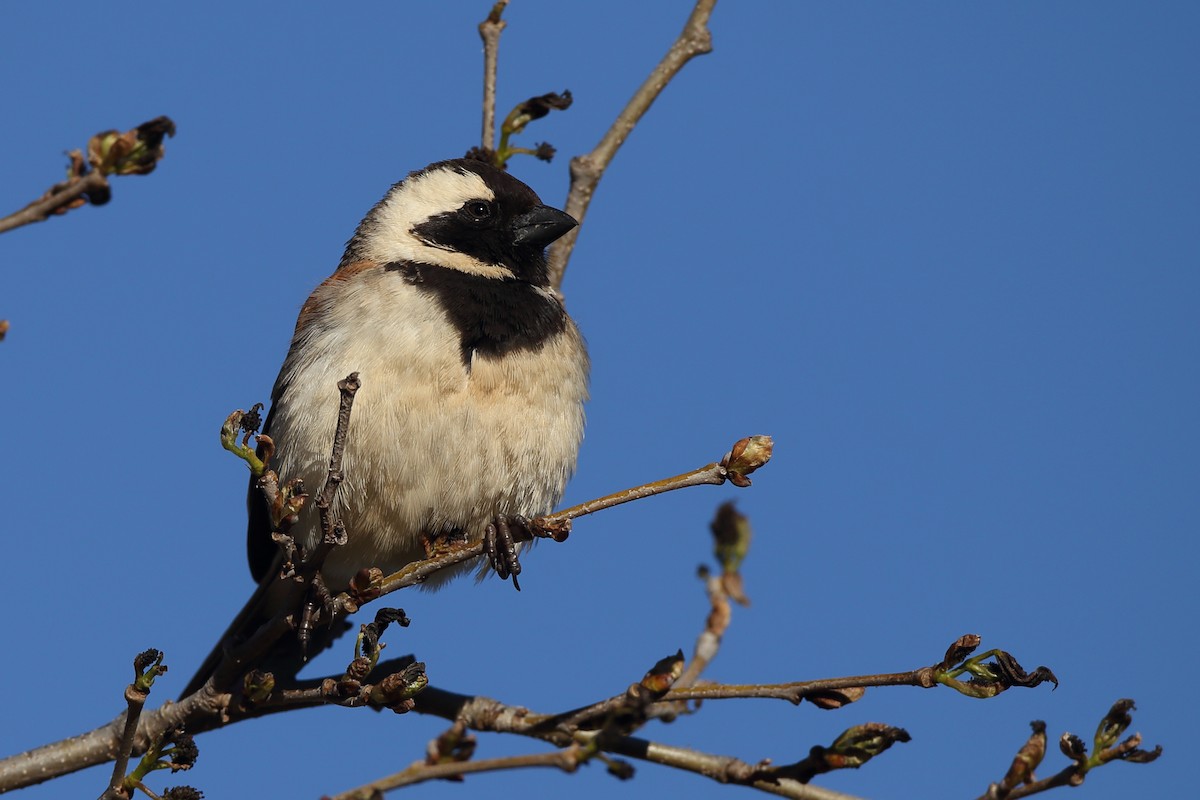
{"points": [[795, 692], [557, 525], [722, 769], [710, 474], [586, 170], [1068, 776], [419, 571], [135, 700], [55, 201], [709, 640], [333, 533], [490, 30], [792, 692], [347, 388], [567, 760]]}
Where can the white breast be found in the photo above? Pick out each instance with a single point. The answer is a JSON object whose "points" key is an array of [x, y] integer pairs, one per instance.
{"points": [[433, 446]]}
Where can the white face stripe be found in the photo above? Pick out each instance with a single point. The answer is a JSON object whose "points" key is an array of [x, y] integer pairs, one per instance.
{"points": [[412, 202]]}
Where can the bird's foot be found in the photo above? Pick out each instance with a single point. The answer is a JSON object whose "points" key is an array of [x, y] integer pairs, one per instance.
{"points": [[501, 545], [442, 542]]}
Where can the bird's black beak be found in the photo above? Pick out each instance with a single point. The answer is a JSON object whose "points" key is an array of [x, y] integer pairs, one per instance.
{"points": [[541, 226]]}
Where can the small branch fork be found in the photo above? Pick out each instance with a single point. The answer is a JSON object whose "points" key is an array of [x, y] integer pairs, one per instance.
{"points": [[1107, 746], [172, 748], [147, 667]]}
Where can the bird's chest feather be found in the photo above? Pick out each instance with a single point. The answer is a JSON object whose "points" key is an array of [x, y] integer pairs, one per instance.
{"points": [[462, 414]]}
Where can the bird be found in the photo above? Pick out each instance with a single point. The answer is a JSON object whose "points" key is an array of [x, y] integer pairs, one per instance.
{"points": [[473, 379]]}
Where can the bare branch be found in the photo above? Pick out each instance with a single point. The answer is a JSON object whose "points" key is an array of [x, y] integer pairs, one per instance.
{"points": [[1107, 747], [486, 714], [489, 31], [208, 709], [147, 666], [800, 690], [333, 533], [792, 692], [567, 760], [586, 170], [58, 199]]}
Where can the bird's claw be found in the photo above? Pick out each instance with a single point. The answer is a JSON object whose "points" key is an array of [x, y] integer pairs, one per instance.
{"points": [[501, 546]]}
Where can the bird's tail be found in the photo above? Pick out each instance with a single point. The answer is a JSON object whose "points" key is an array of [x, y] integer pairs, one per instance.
{"points": [[248, 620]]}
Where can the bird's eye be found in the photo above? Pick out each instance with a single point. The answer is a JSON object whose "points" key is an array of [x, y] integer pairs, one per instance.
{"points": [[478, 209]]}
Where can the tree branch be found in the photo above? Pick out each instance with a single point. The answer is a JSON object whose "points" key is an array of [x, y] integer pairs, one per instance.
{"points": [[58, 199], [147, 666], [489, 31], [486, 714], [586, 170], [800, 690], [567, 760]]}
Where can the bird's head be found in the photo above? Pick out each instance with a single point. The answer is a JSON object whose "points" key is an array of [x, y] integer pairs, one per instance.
{"points": [[465, 215]]}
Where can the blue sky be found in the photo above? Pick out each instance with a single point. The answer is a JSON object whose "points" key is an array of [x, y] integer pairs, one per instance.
{"points": [[945, 253]]}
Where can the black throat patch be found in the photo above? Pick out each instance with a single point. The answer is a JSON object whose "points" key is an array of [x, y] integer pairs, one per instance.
{"points": [[493, 317]]}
